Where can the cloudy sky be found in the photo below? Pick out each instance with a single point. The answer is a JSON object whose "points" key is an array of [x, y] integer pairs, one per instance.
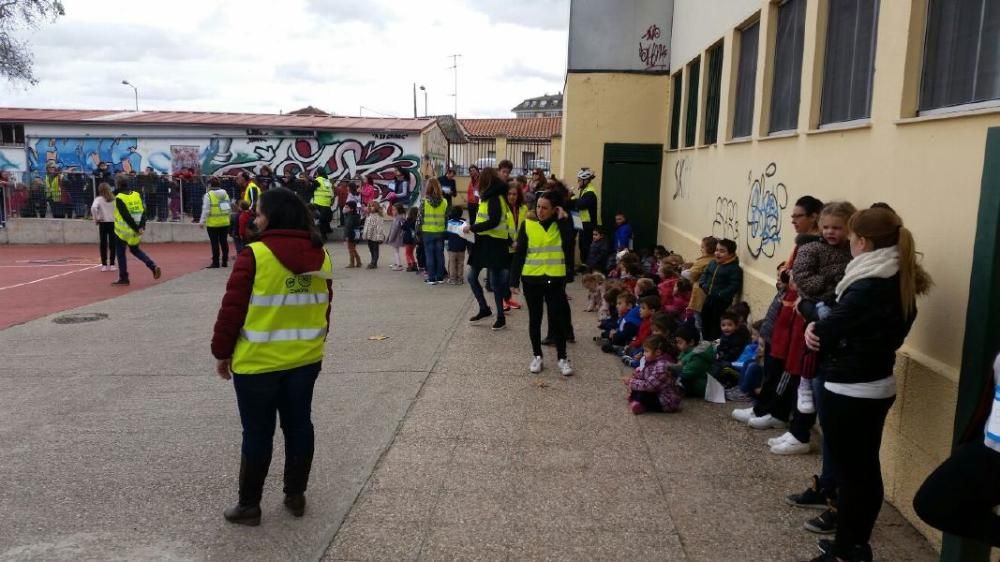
{"points": [[338, 55]]}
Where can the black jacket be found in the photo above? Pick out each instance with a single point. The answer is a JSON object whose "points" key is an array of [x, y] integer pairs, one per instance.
{"points": [[859, 339]]}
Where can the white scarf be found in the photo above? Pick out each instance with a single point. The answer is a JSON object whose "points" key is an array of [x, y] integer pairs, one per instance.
{"points": [[878, 264]]}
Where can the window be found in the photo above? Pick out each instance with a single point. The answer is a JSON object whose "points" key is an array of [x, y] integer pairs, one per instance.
{"points": [[788, 66], [746, 81], [691, 116], [850, 60], [675, 116], [714, 94], [961, 53], [11, 134]]}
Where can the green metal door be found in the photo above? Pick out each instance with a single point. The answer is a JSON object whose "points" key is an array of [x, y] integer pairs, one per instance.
{"points": [[631, 185]]}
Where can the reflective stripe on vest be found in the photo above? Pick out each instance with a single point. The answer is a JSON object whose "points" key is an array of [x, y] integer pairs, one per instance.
{"points": [[251, 194], [216, 216], [323, 196], [585, 213], [434, 222], [133, 202], [545, 251], [285, 325], [500, 231]]}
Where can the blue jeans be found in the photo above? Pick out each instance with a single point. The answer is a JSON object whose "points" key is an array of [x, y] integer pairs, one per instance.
{"points": [[287, 393], [120, 247], [434, 250], [499, 279], [751, 378]]}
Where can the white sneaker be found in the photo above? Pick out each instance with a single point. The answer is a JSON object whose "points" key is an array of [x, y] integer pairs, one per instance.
{"points": [[780, 439], [104, 268], [805, 403], [766, 421], [791, 446], [743, 415], [536, 365], [565, 367]]}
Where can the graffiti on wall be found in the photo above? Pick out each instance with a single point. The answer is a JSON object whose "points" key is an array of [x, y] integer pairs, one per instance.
{"points": [[726, 223], [682, 171], [84, 154], [183, 157], [768, 197], [652, 50]]}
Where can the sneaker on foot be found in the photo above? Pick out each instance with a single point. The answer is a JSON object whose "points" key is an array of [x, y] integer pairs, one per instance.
{"points": [[536, 365], [513, 304], [547, 340], [767, 421], [104, 268], [743, 415], [156, 272], [500, 324], [823, 524], [121, 282], [636, 407], [780, 439], [486, 313], [812, 498], [565, 367], [791, 446]]}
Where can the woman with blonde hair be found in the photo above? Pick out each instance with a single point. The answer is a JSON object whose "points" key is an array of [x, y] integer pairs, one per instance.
{"points": [[103, 211], [875, 308], [431, 225]]}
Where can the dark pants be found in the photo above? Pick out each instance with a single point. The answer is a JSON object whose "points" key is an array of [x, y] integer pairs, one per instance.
{"points": [[58, 209], [325, 216], [551, 295], [777, 392], [373, 250], [106, 232], [650, 400], [473, 209], [498, 277], [287, 393], [711, 314], [853, 429], [959, 496], [801, 427], [219, 238], [120, 248], [586, 240], [434, 256]]}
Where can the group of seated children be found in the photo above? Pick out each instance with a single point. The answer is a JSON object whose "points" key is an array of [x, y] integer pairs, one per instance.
{"points": [[645, 317]]}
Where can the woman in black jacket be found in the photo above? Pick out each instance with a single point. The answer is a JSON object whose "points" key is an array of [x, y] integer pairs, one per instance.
{"points": [[544, 279], [876, 306], [491, 250]]}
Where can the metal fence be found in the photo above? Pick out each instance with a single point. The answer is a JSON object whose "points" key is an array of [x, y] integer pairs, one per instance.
{"points": [[482, 154], [527, 155]]}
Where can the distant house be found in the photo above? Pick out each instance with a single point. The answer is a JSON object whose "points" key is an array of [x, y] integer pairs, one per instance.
{"points": [[310, 110], [543, 106], [525, 142]]}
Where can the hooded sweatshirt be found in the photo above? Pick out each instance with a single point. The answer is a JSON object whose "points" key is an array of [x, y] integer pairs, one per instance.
{"points": [[295, 250], [628, 327]]}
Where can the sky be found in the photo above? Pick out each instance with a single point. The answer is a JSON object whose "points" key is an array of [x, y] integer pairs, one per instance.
{"points": [[337, 55]]}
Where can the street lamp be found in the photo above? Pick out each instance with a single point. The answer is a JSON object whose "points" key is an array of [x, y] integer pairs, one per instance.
{"points": [[130, 85], [424, 90]]}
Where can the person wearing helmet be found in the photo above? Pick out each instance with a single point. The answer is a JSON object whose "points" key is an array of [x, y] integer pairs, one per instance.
{"points": [[585, 204]]}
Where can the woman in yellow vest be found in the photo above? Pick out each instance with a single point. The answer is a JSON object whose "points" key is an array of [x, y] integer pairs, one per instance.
{"points": [[517, 213], [130, 224], [542, 254], [431, 226], [269, 338], [216, 212], [491, 250]]}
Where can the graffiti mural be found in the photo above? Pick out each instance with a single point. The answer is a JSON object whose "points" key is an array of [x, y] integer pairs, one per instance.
{"points": [[768, 197], [682, 169], [84, 154], [726, 223], [182, 157], [653, 51]]}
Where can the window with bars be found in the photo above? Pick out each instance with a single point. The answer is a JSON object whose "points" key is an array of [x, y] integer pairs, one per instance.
{"points": [[713, 94], [787, 84], [850, 60], [961, 53], [691, 115], [746, 81], [675, 110], [11, 134]]}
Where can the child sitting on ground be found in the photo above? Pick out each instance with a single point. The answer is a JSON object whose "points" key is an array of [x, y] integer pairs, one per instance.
{"points": [[628, 325], [648, 306], [663, 326], [608, 312], [750, 367], [678, 303], [694, 362], [734, 337], [594, 283], [653, 388], [645, 287], [668, 278]]}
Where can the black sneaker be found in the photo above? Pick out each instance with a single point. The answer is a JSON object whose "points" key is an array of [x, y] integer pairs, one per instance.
{"points": [[482, 314], [500, 324], [812, 498], [860, 553], [548, 341], [121, 282], [825, 546], [824, 524]]}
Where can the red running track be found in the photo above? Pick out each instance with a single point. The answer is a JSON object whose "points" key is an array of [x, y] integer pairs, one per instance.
{"points": [[36, 281]]}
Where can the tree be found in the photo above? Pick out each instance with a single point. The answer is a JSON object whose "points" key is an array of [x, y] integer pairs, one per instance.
{"points": [[16, 61]]}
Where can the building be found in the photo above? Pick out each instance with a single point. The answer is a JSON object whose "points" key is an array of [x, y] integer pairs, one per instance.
{"points": [[730, 111], [542, 106], [527, 142]]}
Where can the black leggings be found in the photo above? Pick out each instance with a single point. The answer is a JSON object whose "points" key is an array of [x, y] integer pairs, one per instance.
{"points": [[219, 237], [373, 249], [853, 428], [960, 495], [551, 295], [106, 232]]}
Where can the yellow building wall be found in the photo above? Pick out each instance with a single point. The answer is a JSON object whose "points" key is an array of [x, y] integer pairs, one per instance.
{"points": [[928, 169]]}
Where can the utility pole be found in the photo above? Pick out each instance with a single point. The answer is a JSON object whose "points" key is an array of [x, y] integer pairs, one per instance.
{"points": [[454, 66], [414, 100]]}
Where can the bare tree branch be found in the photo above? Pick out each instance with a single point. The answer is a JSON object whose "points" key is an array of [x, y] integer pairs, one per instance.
{"points": [[16, 59]]}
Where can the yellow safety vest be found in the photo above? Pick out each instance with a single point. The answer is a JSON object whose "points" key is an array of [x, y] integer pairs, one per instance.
{"points": [[545, 251], [286, 323], [515, 226], [133, 202], [217, 216], [501, 230], [434, 222], [585, 213], [251, 194], [54, 188], [323, 196]]}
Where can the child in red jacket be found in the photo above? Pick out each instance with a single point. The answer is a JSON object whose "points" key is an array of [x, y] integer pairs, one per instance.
{"points": [[648, 306], [678, 303]]}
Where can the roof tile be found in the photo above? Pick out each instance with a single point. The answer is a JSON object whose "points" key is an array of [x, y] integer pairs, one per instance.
{"points": [[529, 128]]}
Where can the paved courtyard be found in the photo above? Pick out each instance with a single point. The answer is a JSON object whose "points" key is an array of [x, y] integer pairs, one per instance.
{"points": [[117, 442]]}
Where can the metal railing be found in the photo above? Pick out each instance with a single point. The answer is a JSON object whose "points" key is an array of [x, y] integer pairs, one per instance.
{"points": [[526, 155]]}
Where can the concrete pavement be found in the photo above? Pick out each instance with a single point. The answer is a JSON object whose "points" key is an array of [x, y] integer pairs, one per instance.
{"points": [[118, 443]]}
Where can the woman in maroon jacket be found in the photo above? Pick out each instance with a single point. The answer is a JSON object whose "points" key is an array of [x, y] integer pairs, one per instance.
{"points": [[291, 245]]}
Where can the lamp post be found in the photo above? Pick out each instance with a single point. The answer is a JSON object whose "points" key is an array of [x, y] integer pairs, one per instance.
{"points": [[130, 85], [424, 90]]}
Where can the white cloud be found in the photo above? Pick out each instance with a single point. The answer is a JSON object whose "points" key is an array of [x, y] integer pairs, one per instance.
{"points": [[338, 55]]}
